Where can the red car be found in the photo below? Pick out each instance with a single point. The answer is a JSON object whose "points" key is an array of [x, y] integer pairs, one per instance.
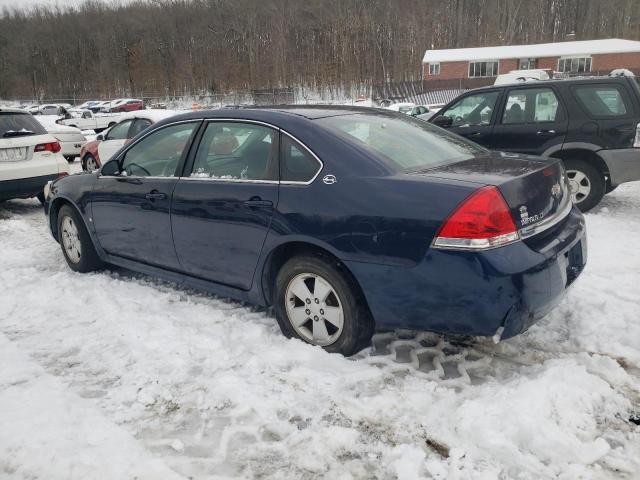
{"points": [[128, 106]]}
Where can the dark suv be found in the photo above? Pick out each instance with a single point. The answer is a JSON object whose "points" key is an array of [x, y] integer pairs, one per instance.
{"points": [[592, 124]]}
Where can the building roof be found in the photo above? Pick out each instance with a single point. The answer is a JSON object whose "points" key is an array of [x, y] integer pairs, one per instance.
{"points": [[558, 49]]}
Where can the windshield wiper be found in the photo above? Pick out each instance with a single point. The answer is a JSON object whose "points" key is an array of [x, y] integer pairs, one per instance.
{"points": [[14, 133]]}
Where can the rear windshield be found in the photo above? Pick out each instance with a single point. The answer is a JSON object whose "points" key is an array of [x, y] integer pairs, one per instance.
{"points": [[19, 124], [405, 143]]}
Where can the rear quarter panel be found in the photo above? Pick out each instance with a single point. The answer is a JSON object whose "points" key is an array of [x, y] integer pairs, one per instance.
{"points": [[385, 220]]}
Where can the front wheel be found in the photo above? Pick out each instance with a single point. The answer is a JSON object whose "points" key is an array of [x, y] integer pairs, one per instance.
{"points": [[319, 304], [77, 247], [587, 184], [89, 163]]}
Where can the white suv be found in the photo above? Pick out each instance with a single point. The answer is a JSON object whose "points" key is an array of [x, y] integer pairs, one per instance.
{"points": [[29, 156]]}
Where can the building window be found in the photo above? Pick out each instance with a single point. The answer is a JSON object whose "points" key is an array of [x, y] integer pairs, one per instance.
{"points": [[528, 64], [434, 69], [574, 65], [483, 69]]}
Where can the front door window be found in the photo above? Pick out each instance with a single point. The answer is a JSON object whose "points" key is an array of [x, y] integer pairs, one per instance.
{"points": [[472, 110], [158, 154]]}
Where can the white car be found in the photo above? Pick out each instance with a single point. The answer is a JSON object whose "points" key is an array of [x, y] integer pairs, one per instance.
{"points": [[71, 139], [95, 153], [85, 119], [29, 156], [406, 107]]}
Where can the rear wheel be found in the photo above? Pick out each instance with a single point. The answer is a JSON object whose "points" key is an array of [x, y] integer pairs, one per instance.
{"points": [[319, 304], [587, 184], [77, 247]]}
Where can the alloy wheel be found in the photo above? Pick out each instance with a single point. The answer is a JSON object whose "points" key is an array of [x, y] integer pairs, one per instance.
{"points": [[91, 164], [579, 185], [71, 239], [314, 309]]}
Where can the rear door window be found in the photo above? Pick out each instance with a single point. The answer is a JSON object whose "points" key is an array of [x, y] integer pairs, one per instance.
{"points": [[237, 151], [119, 131], [602, 100], [138, 126], [530, 105]]}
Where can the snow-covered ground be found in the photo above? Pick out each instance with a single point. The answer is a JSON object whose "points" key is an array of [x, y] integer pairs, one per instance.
{"points": [[116, 375]]}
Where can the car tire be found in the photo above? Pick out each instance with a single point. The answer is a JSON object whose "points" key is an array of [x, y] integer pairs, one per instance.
{"points": [[77, 247], [587, 183], [87, 161], [349, 326]]}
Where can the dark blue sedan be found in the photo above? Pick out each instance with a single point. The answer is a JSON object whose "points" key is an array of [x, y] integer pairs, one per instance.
{"points": [[345, 220]]}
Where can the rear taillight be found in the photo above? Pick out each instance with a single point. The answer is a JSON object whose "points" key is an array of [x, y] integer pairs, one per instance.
{"points": [[482, 221], [53, 147], [636, 141], [62, 174]]}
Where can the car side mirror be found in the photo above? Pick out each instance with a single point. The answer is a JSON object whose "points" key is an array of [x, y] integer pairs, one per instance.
{"points": [[100, 138], [443, 121], [111, 168]]}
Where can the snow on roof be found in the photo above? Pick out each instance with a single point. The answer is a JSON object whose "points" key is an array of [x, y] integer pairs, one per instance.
{"points": [[150, 114], [558, 49]]}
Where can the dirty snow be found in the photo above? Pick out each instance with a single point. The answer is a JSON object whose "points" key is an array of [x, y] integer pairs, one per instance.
{"points": [[117, 375]]}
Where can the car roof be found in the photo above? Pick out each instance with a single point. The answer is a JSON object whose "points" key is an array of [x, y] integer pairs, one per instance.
{"points": [[554, 81], [310, 112], [155, 115], [13, 110]]}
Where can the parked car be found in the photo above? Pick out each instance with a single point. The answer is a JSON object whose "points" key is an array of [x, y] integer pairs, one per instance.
{"points": [[406, 107], [108, 143], [87, 120], [123, 105], [591, 124], [419, 110], [522, 76], [128, 106], [343, 219], [56, 109], [88, 104], [29, 156], [98, 106], [71, 139]]}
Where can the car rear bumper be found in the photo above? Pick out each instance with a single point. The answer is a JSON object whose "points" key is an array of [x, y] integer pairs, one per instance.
{"points": [[476, 293], [23, 187]]}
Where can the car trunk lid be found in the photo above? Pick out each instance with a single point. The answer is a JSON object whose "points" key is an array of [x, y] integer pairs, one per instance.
{"points": [[534, 188]]}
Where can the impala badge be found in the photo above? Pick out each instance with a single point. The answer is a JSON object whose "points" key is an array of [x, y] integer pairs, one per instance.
{"points": [[329, 179], [556, 190], [523, 213]]}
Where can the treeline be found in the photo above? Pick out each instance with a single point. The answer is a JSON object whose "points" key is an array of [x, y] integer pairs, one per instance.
{"points": [[172, 47]]}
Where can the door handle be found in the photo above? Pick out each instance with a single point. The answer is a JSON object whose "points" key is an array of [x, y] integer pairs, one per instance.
{"points": [[258, 203], [546, 132], [474, 135], [155, 195]]}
